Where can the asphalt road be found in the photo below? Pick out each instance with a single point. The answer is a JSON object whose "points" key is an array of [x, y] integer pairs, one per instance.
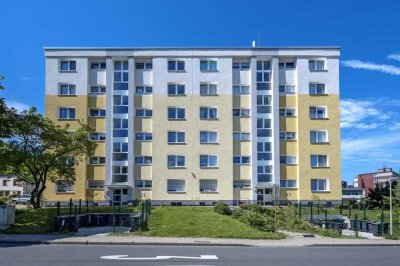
{"points": [[147, 255]]}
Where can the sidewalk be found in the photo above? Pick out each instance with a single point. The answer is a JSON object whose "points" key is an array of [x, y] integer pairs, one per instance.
{"points": [[293, 240]]}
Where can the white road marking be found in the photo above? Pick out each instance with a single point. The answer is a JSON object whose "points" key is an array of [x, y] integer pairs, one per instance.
{"points": [[125, 257]]}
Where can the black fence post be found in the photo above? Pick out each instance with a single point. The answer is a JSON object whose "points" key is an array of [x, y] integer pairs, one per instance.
{"points": [[382, 220], [300, 210], [80, 206], [311, 214], [87, 205], [326, 219], [113, 210], [318, 208], [58, 208], [349, 211], [356, 224], [70, 206]]}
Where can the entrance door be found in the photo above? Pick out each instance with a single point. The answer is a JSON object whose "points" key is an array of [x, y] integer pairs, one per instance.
{"points": [[264, 196], [120, 196]]}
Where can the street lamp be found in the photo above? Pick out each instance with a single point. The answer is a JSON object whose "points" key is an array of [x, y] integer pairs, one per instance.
{"points": [[390, 206]]}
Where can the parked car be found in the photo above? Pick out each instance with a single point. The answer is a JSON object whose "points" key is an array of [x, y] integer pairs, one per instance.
{"points": [[22, 199]]}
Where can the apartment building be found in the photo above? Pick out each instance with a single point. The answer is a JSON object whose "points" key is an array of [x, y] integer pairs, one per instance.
{"points": [[200, 125]]}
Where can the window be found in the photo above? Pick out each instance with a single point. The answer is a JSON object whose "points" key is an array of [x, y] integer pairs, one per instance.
{"points": [[176, 185], [318, 112], [241, 159], [241, 112], [67, 65], [143, 183], [95, 184], [288, 159], [95, 160], [208, 161], [318, 136], [174, 65], [176, 89], [241, 136], [289, 183], [145, 66], [143, 136], [176, 113], [120, 127], [208, 137], [241, 90], [5, 182], [67, 89], [97, 112], [120, 173], [264, 127], [263, 104], [176, 137], [319, 185], [121, 75], [316, 65], [66, 113], [318, 160], [64, 187], [241, 65], [143, 160], [97, 136], [288, 112], [241, 185], [176, 161], [263, 75], [208, 65], [144, 113], [264, 173], [207, 89], [97, 90], [317, 89], [264, 151], [210, 113], [287, 89], [144, 90], [287, 135], [287, 65], [207, 185], [120, 104], [120, 151], [98, 65]]}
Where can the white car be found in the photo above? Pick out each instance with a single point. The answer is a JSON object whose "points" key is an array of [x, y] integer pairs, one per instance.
{"points": [[22, 199]]}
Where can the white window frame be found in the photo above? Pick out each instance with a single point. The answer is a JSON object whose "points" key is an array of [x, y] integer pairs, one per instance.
{"points": [[241, 159], [313, 88], [284, 64], [147, 113], [93, 186], [241, 112], [145, 160], [98, 136], [144, 139], [285, 135], [208, 112], [181, 181], [99, 112], [100, 65], [285, 112], [284, 183], [176, 112], [175, 87], [101, 90], [316, 115], [69, 65], [241, 90], [176, 161], [208, 87], [69, 108], [285, 160], [211, 187], [141, 184], [207, 156], [318, 180], [176, 139], [147, 90], [240, 135], [68, 188], [208, 61], [99, 160], [242, 65], [208, 132], [69, 88], [176, 63], [315, 63], [319, 165], [287, 89], [120, 170], [146, 65], [316, 132], [266, 170]]}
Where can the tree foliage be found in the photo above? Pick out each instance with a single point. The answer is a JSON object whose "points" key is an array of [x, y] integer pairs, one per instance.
{"points": [[379, 195], [39, 151]]}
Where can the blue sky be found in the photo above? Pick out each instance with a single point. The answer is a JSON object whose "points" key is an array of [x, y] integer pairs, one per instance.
{"points": [[367, 31]]}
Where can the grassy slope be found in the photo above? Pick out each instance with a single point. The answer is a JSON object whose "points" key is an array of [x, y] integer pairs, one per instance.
{"points": [[200, 222]]}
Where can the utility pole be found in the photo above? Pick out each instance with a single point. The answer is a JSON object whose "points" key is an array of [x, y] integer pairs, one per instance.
{"points": [[390, 203]]}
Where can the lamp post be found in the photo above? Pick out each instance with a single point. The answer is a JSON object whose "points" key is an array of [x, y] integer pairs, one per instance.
{"points": [[390, 207]]}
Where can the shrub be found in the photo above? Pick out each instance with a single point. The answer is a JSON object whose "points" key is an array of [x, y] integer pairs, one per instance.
{"points": [[5, 200], [222, 208]]}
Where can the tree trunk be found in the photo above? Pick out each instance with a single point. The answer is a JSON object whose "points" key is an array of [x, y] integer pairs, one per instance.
{"points": [[36, 195]]}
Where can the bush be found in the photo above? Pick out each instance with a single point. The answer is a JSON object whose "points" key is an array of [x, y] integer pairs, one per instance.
{"points": [[254, 219], [222, 208], [5, 200]]}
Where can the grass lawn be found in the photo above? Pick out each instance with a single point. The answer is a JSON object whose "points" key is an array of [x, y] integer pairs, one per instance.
{"points": [[200, 222], [41, 221]]}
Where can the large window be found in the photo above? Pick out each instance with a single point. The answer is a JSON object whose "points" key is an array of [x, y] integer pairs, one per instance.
{"points": [[64, 187], [241, 159], [97, 136], [98, 65], [318, 112], [176, 185], [263, 75], [176, 161], [241, 136], [263, 104], [143, 136], [176, 113], [241, 90], [120, 126], [145, 113], [264, 173], [120, 104], [176, 89], [208, 137], [208, 185], [288, 159], [241, 65], [319, 160], [120, 151], [288, 183], [316, 65], [67, 89], [287, 65], [176, 65], [97, 112], [317, 89], [264, 127], [176, 137], [288, 112], [143, 90], [318, 136], [121, 75], [95, 184], [210, 113], [287, 89], [97, 90], [287, 135], [208, 65], [264, 151], [120, 173], [144, 66], [319, 185], [143, 183], [143, 160], [208, 161], [208, 89], [66, 113], [241, 112], [68, 65], [96, 160]]}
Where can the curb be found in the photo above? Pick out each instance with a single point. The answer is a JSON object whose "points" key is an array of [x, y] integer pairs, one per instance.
{"points": [[355, 245]]}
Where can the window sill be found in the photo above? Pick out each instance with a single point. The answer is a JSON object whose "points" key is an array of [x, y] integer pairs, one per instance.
{"points": [[320, 191], [97, 117], [176, 167], [176, 192], [322, 118], [67, 71], [317, 70], [100, 164], [67, 192], [176, 71], [289, 188], [144, 117], [96, 94], [209, 119], [144, 188], [247, 116], [320, 94], [209, 95], [95, 188], [209, 143], [142, 164], [209, 167], [209, 192], [143, 140], [246, 140], [98, 140], [176, 119], [67, 119], [176, 95], [67, 95], [209, 71], [289, 163], [320, 143], [176, 143], [320, 167], [288, 140], [241, 164]]}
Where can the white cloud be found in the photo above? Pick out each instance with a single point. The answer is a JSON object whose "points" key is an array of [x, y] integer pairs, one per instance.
{"points": [[17, 105], [357, 64], [395, 56]]}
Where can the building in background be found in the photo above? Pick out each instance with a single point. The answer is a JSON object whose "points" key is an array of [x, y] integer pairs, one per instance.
{"points": [[369, 180], [10, 185], [200, 125], [353, 193]]}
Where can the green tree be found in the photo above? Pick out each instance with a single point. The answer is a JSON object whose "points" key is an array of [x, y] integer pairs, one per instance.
{"points": [[39, 151], [378, 196]]}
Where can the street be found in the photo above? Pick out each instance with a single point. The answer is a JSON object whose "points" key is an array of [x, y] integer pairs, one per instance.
{"points": [[195, 255]]}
